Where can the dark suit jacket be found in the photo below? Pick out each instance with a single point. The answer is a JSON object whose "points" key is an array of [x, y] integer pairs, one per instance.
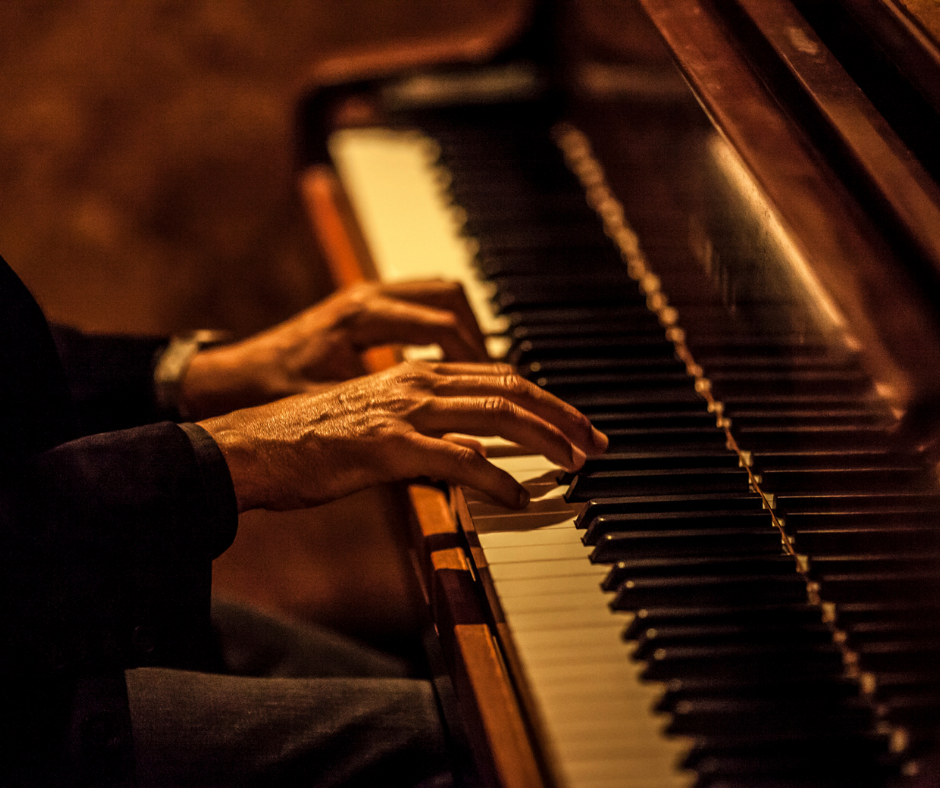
{"points": [[107, 542]]}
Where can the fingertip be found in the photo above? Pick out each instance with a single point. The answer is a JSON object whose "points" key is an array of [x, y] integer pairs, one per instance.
{"points": [[578, 458], [523, 497], [601, 441]]}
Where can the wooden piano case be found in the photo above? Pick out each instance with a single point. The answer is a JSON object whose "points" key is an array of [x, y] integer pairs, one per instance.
{"points": [[849, 190]]}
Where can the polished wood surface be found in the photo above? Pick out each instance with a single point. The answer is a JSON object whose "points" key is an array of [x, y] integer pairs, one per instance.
{"points": [[681, 180], [488, 705], [848, 260]]}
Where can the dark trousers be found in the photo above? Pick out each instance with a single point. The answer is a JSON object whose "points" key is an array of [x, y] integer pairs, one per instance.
{"points": [[299, 706]]}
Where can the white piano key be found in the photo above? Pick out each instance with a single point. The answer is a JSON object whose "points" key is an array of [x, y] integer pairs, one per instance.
{"points": [[532, 538], [565, 584], [558, 619], [390, 185], [526, 464], [587, 695], [561, 568], [545, 604]]}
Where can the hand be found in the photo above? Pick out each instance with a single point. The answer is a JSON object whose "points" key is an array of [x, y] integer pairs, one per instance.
{"points": [[391, 426], [323, 344]]}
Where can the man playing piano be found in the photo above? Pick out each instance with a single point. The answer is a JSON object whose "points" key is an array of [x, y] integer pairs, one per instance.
{"points": [[114, 672]]}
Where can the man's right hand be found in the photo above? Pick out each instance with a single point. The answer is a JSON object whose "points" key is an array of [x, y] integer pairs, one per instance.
{"points": [[392, 426]]}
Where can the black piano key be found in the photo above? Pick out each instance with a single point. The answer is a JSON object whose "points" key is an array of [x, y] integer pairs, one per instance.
{"points": [[811, 437], [735, 716], [787, 346], [782, 418], [869, 539], [815, 768], [763, 634], [733, 383], [806, 521], [691, 421], [668, 503], [794, 362], [741, 614], [821, 567], [644, 460], [901, 476], [708, 590], [648, 521], [900, 655], [881, 631], [606, 484], [555, 367], [919, 714], [518, 262], [840, 746], [535, 297], [827, 688], [624, 545], [634, 327], [685, 567], [564, 386], [666, 439], [641, 346], [851, 614], [557, 207], [751, 661], [870, 500], [558, 317], [567, 282], [650, 400], [822, 459], [795, 401], [880, 586]]}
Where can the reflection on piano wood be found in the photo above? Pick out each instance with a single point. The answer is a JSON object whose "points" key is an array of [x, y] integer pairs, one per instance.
{"points": [[744, 590]]}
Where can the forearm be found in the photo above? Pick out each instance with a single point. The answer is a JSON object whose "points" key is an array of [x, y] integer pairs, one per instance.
{"points": [[110, 377], [111, 535]]}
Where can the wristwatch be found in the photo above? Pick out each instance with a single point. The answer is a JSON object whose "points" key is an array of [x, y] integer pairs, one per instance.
{"points": [[172, 363]]}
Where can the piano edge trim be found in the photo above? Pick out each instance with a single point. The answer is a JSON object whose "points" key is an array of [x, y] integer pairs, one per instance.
{"points": [[496, 727]]}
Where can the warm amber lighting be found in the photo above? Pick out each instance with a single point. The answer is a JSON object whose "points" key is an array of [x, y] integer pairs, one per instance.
{"points": [[740, 178]]}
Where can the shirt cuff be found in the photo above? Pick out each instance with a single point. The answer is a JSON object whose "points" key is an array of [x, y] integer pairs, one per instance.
{"points": [[221, 503]]}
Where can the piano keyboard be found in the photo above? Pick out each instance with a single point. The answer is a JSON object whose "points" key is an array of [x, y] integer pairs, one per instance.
{"points": [[743, 590]]}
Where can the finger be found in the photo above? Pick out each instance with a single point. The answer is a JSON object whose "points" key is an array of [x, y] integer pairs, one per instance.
{"points": [[470, 368], [461, 465], [574, 424], [498, 416], [386, 321], [465, 440], [445, 295]]}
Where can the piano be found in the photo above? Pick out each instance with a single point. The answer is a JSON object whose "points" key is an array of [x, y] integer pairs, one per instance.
{"points": [[713, 226]]}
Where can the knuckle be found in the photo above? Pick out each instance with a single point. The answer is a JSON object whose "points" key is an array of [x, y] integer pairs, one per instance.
{"points": [[420, 407], [453, 288], [466, 458], [449, 322], [515, 384], [499, 406], [414, 372]]}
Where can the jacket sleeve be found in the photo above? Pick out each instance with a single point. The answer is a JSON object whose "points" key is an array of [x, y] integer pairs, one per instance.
{"points": [[109, 543], [110, 378]]}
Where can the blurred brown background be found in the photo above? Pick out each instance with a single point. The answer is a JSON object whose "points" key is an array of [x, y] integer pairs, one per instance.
{"points": [[147, 185], [146, 151]]}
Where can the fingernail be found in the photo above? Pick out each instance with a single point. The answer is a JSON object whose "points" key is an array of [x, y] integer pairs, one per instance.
{"points": [[523, 497], [577, 458], [599, 438]]}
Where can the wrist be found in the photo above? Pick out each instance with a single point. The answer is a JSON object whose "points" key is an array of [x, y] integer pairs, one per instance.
{"points": [[239, 452], [173, 364]]}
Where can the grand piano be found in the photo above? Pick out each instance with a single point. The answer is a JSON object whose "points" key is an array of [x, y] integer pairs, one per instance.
{"points": [[713, 226]]}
